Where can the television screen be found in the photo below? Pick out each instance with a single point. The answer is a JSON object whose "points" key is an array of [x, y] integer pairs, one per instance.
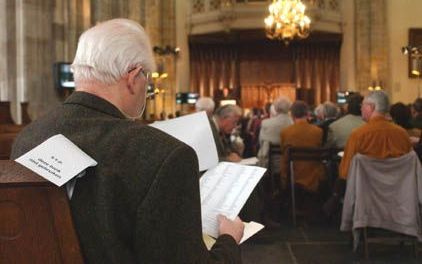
{"points": [[186, 98], [342, 97], [63, 76]]}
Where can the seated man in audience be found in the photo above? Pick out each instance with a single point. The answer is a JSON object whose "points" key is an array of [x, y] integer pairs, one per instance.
{"points": [[308, 174], [379, 138], [329, 115], [271, 129], [340, 130], [205, 104], [417, 113], [225, 119], [141, 203]]}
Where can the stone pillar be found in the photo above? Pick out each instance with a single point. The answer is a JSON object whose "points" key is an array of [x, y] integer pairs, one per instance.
{"points": [[347, 56], [371, 44], [4, 83], [182, 63], [34, 61]]}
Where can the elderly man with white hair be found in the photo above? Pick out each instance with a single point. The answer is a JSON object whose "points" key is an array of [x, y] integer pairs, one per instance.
{"points": [[141, 203], [378, 138], [205, 104], [271, 129]]}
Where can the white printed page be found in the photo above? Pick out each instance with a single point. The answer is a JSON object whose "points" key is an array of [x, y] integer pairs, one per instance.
{"points": [[195, 131], [57, 160], [224, 190]]}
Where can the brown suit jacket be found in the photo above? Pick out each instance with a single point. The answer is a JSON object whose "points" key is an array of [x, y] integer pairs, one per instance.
{"points": [[308, 174], [141, 203]]}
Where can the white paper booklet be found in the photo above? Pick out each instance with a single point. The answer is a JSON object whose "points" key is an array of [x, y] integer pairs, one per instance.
{"points": [[224, 190], [57, 160], [194, 130]]}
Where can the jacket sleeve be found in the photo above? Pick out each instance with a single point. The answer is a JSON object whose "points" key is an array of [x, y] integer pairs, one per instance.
{"points": [[168, 226]]}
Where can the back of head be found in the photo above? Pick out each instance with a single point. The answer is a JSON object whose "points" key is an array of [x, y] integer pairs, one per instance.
{"points": [[380, 101], [354, 103], [417, 105], [329, 110], [401, 114], [205, 104], [282, 105], [107, 51], [299, 109], [228, 111]]}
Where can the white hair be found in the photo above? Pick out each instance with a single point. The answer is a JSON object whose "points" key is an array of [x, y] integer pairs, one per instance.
{"points": [[205, 104], [282, 105], [107, 51], [329, 110], [380, 101], [227, 111]]}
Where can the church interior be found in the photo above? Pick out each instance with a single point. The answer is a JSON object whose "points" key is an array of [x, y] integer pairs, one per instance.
{"points": [[224, 50]]}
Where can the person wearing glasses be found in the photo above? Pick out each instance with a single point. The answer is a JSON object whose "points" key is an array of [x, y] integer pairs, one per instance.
{"points": [[141, 203]]}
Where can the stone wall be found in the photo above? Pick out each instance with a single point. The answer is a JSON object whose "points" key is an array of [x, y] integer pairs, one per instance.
{"points": [[36, 33]]}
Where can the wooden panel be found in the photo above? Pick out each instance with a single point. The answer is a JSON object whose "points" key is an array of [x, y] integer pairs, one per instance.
{"points": [[35, 219]]}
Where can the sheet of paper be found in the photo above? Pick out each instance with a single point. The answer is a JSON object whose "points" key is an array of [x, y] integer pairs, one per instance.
{"points": [[251, 229], [57, 160], [194, 130], [224, 190], [249, 161]]}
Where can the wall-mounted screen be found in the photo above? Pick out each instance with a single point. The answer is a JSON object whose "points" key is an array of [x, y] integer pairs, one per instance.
{"points": [[63, 76]]}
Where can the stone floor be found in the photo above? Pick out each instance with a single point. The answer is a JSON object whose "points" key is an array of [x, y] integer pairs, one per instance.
{"points": [[318, 243]]}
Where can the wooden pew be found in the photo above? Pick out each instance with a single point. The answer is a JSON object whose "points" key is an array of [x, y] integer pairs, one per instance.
{"points": [[35, 219], [8, 133]]}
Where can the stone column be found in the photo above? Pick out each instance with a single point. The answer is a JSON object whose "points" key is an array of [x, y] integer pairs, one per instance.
{"points": [[371, 43], [347, 56], [4, 83], [182, 63], [34, 56]]}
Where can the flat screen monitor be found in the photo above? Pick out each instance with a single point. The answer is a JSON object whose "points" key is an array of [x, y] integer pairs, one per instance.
{"points": [[186, 98], [63, 76], [342, 97]]}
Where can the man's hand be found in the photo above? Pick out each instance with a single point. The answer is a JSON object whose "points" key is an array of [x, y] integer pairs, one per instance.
{"points": [[234, 157], [233, 228]]}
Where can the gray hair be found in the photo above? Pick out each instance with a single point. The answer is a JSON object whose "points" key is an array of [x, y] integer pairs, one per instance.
{"points": [[319, 110], [227, 111], [329, 110], [380, 101], [107, 51], [205, 104], [282, 105], [299, 109]]}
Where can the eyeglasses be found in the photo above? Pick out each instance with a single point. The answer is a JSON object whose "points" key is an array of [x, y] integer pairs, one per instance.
{"points": [[147, 75], [149, 82]]}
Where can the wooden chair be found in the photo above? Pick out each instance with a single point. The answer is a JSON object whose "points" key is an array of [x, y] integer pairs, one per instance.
{"points": [[35, 219], [323, 155], [6, 142], [375, 183], [273, 170]]}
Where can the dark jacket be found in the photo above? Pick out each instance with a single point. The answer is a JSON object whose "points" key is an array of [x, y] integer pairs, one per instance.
{"points": [[141, 203]]}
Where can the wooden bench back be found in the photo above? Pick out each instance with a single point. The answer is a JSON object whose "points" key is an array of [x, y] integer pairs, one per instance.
{"points": [[35, 219]]}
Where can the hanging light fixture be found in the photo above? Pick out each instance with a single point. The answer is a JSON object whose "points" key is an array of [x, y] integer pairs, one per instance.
{"points": [[287, 19]]}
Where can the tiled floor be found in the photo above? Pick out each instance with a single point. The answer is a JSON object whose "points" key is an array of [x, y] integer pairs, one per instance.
{"points": [[316, 244]]}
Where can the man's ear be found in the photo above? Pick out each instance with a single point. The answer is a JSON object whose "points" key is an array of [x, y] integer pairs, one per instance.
{"points": [[131, 78]]}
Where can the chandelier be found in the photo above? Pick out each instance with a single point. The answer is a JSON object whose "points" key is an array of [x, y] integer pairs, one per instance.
{"points": [[287, 19]]}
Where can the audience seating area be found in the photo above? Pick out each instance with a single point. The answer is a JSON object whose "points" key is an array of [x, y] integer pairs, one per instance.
{"points": [[8, 129], [35, 220]]}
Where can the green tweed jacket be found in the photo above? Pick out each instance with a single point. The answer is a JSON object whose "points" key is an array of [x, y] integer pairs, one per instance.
{"points": [[141, 203]]}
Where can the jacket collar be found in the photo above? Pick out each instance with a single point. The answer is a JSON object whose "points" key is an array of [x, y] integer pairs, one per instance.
{"points": [[378, 119], [94, 102]]}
